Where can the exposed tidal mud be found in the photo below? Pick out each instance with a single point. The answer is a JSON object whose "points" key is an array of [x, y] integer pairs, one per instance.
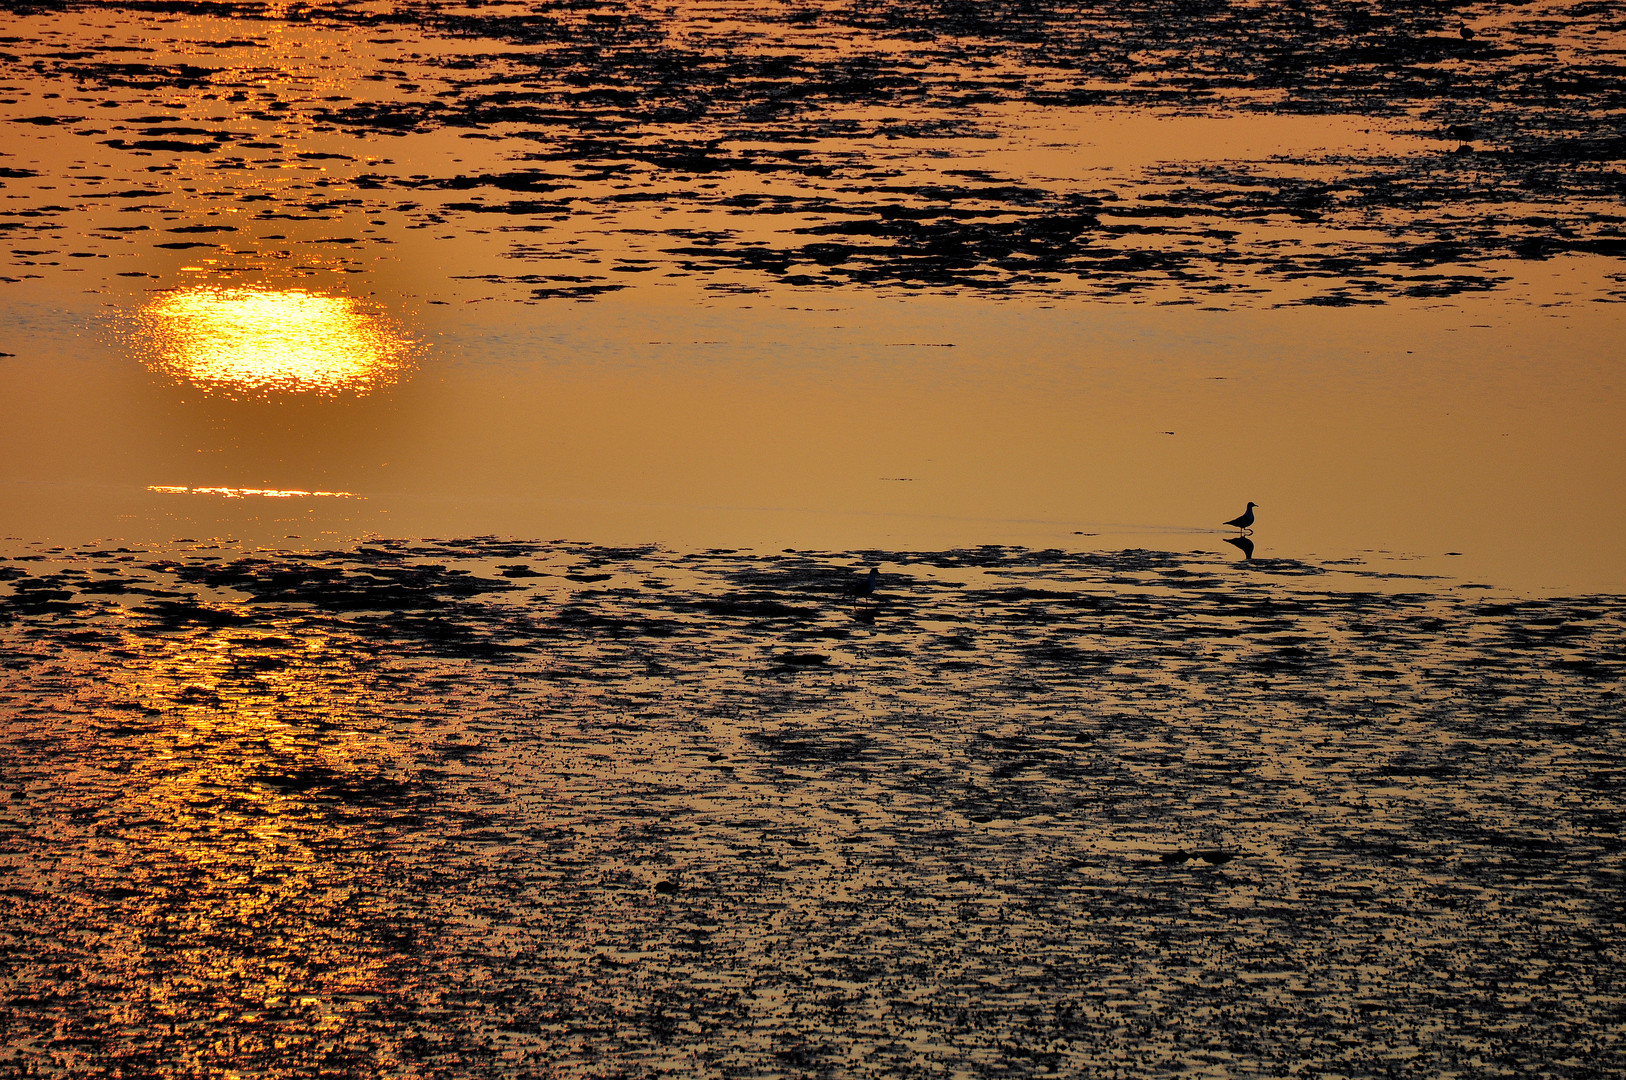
{"points": [[483, 808], [1151, 149]]}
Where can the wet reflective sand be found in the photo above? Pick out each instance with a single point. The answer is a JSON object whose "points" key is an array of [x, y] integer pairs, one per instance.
{"points": [[1018, 303], [1212, 154], [482, 808]]}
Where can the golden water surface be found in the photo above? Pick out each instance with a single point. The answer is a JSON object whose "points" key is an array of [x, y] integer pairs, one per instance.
{"points": [[258, 340], [316, 759]]}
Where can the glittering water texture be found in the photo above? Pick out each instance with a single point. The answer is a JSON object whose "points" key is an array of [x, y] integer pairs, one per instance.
{"points": [[483, 808], [257, 340]]}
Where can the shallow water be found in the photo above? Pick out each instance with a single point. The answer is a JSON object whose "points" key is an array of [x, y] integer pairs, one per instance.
{"points": [[1018, 302]]}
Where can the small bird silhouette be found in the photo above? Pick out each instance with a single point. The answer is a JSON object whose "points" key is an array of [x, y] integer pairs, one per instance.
{"points": [[865, 586], [1245, 520], [1466, 31], [1243, 544]]}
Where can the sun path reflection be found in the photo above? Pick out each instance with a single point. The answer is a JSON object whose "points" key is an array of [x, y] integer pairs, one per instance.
{"points": [[262, 340], [235, 854]]}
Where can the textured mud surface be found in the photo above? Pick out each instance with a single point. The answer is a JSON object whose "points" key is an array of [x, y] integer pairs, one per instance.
{"points": [[584, 147], [480, 808]]}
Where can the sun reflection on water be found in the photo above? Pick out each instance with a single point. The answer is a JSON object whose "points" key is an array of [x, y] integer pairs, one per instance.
{"points": [[259, 340], [254, 786], [245, 493]]}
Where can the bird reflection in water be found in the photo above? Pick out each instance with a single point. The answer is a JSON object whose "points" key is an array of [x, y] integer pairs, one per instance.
{"points": [[1244, 525], [261, 340]]}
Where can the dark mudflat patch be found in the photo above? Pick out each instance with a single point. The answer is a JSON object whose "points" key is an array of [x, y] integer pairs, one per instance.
{"points": [[716, 809]]}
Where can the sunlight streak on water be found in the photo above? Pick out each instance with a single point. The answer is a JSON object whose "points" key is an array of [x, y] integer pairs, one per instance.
{"points": [[256, 340], [243, 493]]}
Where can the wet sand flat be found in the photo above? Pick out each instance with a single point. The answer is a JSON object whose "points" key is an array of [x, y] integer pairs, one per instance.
{"points": [[1196, 153], [1015, 302], [487, 808]]}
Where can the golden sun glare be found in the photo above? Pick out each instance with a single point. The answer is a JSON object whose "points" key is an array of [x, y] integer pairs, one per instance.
{"points": [[259, 340]]}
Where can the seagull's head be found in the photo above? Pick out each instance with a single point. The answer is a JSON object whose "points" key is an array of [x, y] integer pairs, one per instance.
{"points": [[1250, 505]]}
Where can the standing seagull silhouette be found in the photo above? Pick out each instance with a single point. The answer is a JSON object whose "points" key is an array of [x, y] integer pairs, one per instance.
{"points": [[1245, 520]]}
